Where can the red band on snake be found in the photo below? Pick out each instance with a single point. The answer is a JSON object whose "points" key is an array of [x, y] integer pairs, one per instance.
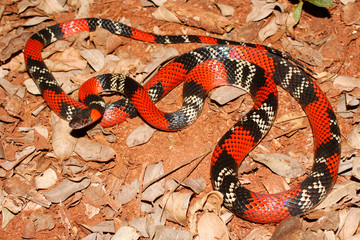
{"points": [[254, 68]]}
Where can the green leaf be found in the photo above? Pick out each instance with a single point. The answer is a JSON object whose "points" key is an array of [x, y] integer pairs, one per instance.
{"points": [[321, 3], [297, 11]]}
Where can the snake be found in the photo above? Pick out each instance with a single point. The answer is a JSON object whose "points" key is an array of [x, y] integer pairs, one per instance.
{"points": [[255, 68]]}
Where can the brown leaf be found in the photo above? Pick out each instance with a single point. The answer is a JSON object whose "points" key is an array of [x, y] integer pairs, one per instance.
{"points": [[106, 41], [353, 138], [94, 57], [289, 228], [351, 224], [47, 179], [65, 189], [94, 151], [275, 184], [62, 141], [42, 221], [53, 6], [211, 202], [128, 192], [356, 168], [140, 135], [346, 83], [69, 59], [176, 207], [339, 191], [258, 234], [162, 232], [210, 226], [261, 9], [198, 17], [155, 190], [226, 10], [280, 164], [225, 94], [94, 195], [126, 233], [5, 117], [105, 226], [19, 187], [196, 184]]}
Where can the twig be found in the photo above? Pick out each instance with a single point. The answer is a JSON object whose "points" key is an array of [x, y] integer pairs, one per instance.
{"points": [[202, 156], [287, 132]]}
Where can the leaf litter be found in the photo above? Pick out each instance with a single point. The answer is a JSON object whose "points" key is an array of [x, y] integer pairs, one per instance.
{"points": [[95, 195]]}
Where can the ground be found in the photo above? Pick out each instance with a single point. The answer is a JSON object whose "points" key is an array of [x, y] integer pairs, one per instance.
{"points": [[325, 40]]}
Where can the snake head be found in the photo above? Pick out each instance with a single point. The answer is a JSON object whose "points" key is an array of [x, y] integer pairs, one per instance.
{"points": [[84, 118]]}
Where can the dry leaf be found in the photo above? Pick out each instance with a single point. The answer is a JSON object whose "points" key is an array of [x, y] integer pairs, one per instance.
{"points": [[329, 235], [275, 184], [5, 117], [13, 204], [29, 230], [289, 228], [280, 164], [273, 26], [47, 179], [83, 8], [128, 192], [342, 108], [14, 106], [210, 226], [176, 207], [140, 224], [212, 202], [69, 59], [339, 191], [162, 233], [225, 94], [356, 168], [226, 10], [8, 86], [19, 156], [198, 17], [349, 14], [53, 6], [42, 221], [260, 233], [126, 233], [62, 141], [94, 151], [35, 21], [106, 41], [261, 9], [90, 210], [155, 190], [95, 195], [161, 13], [302, 52], [353, 138], [6, 217], [65, 189], [105, 226], [351, 224], [196, 184], [24, 4], [140, 135], [94, 57], [31, 87], [18, 187]]}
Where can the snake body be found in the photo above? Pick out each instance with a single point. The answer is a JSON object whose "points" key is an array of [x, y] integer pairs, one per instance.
{"points": [[256, 69]]}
